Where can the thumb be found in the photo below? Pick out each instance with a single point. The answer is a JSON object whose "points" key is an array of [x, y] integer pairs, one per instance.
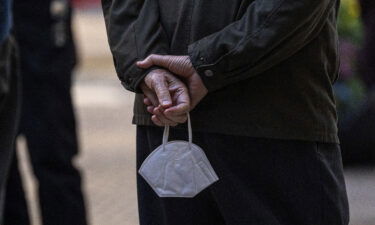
{"points": [[157, 60]]}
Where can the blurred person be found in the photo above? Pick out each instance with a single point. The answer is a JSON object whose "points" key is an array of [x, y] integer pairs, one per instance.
{"points": [[357, 127], [9, 96], [367, 60], [257, 77], [47, 59]]}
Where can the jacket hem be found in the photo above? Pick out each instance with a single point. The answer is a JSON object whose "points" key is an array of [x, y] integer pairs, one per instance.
{"points": [[259, 132]]}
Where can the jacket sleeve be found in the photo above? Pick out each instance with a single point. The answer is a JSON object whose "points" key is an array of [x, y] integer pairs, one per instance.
{"points": [[134, 32], [268, 33]]}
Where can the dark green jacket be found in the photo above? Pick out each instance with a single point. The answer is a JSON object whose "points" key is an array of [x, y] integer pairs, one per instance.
{"points": [[269, 65]]}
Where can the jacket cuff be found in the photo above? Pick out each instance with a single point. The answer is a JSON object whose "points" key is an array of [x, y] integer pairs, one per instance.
{"points": [[211, 72], [132, 83]]}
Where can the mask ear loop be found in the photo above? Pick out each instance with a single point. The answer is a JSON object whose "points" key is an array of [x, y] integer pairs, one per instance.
{"points": [[190, 131], [165, 136]]}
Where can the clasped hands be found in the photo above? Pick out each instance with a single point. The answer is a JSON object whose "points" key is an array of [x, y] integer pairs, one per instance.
{"points": [[171, 91]]}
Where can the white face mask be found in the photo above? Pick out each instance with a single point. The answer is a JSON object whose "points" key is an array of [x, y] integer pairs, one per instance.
{"points": [[178, 168]]}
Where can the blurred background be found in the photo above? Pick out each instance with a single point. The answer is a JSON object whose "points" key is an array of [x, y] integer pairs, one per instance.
{"points": [[107, 138]]}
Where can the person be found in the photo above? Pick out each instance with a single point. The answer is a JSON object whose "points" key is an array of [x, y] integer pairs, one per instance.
{"points": [[47, 60], [357, 127], [367, 59], [257, 79], [9, 95]]}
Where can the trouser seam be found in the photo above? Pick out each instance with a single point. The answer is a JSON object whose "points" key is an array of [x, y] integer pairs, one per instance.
{"points": [[321, 187]]}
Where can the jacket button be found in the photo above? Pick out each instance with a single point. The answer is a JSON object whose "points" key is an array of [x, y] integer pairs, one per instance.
{"points": [[129, 80], [208, 73]]}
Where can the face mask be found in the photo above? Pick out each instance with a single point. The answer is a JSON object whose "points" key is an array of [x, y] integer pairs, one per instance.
{"points": [[178, 168]]}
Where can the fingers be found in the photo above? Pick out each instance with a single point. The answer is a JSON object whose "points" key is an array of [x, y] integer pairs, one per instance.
{"points": [[147, 101], [164, 119], [150, 96], [166, 97], [180, 97], [158, 113], [179, 65], [160, 122], [177, 111], [161, 89], [157, 121], [158, 60], [150, 109], [180, 119]]}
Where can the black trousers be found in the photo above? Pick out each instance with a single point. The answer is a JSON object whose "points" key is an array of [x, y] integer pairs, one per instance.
{"points": [[9, 110], [262, 182], [48, 124]]}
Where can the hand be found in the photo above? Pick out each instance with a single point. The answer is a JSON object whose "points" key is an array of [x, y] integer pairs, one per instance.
{"points": [[180, 66], [166, 98]]}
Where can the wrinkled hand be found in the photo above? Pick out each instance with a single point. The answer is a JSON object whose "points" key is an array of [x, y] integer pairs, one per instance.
{"points": [[180, 66], [166, 97]]}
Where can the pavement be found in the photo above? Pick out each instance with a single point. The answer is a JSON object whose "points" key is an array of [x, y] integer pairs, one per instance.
{"points": [[107, 138]]}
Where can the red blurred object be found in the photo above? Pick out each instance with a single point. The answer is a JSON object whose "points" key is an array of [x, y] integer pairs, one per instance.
{"points": [[86, 3]]}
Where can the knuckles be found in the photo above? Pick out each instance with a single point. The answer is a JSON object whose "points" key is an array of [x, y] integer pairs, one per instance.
{"points": [[179, 65]]}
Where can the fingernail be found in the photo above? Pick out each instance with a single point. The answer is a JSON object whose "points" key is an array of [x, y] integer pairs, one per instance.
{"points": [[166, 103]]}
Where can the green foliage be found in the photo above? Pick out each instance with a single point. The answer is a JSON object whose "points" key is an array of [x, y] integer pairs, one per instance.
{"points": [[349, 24]]}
